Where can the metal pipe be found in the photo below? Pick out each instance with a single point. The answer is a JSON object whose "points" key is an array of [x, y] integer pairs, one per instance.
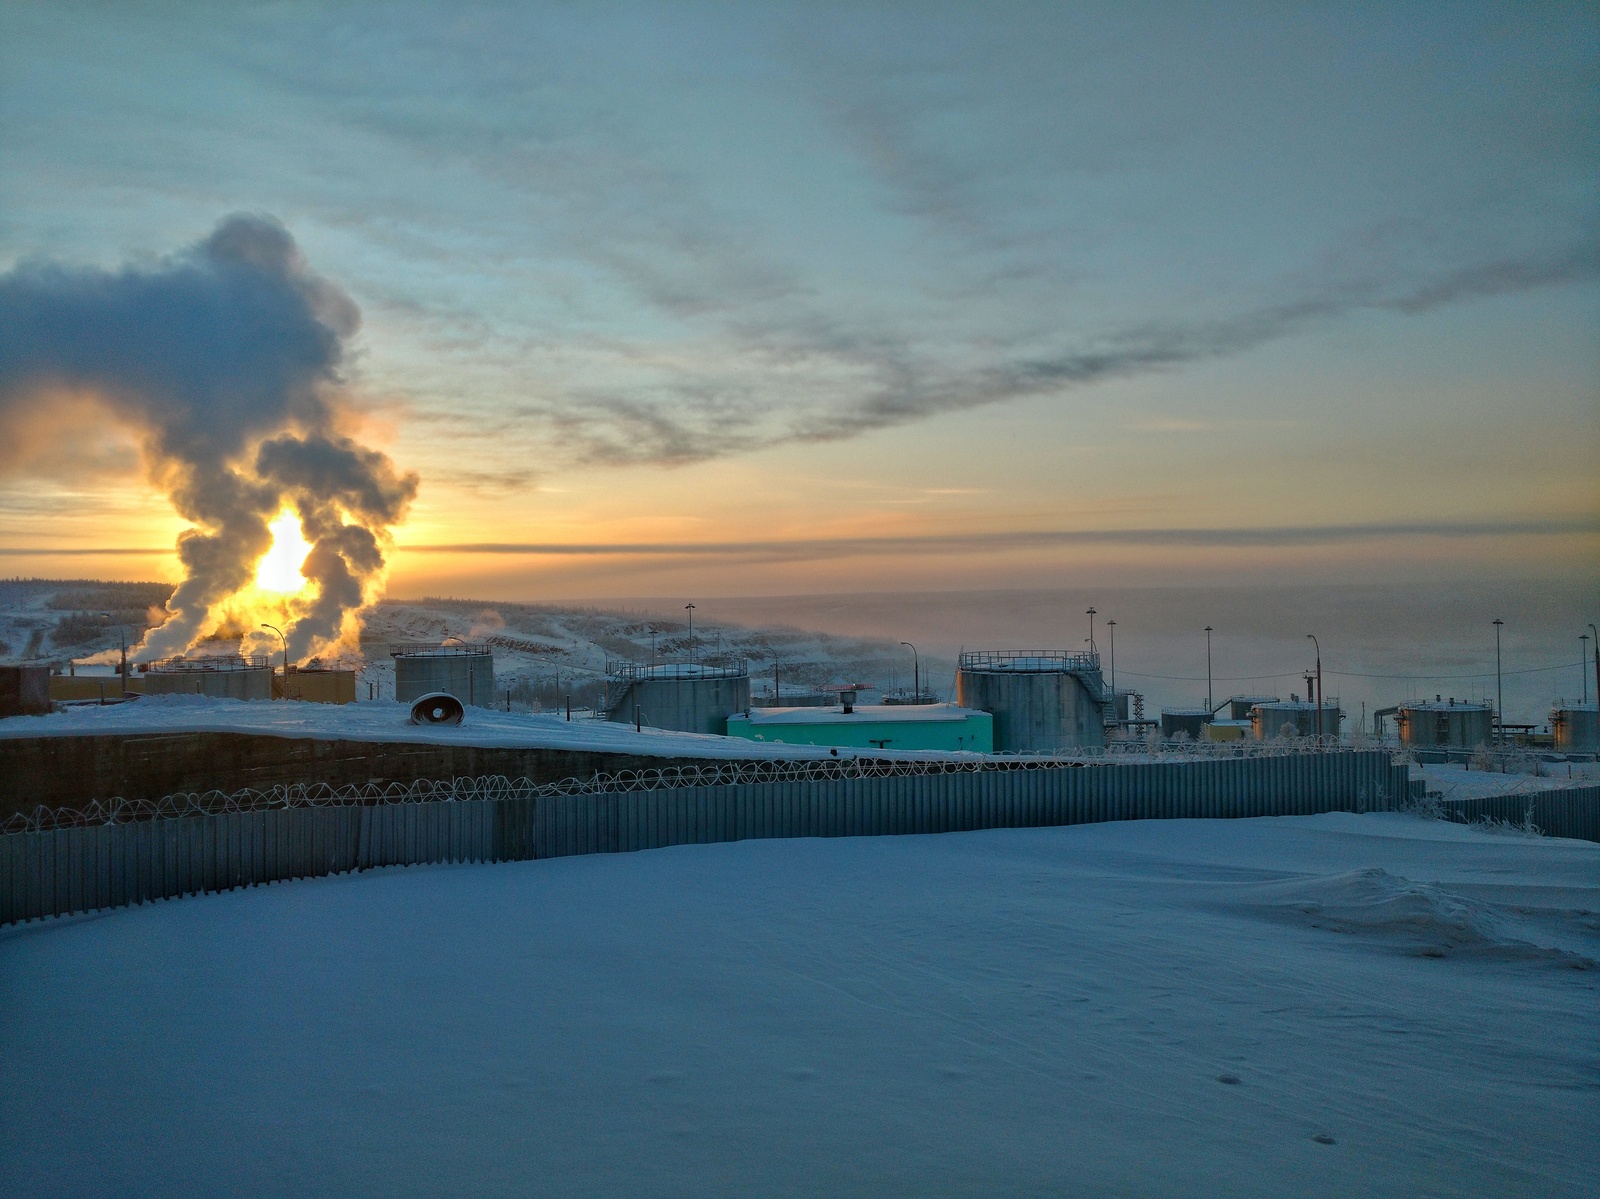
{"points": [[1208, 669], [1112, 626], [1596, 637]]}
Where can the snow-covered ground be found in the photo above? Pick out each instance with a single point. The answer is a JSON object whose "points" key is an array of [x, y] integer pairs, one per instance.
{"points": [[1460, 782], [1333, 1005]]}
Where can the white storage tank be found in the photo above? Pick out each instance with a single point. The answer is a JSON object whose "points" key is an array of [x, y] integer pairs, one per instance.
{"points": [[224, 676], [1041, 700], [1191, 722], [687, 697], [1576, 728], [465, 671], [1448, 722], [1270, 720]]}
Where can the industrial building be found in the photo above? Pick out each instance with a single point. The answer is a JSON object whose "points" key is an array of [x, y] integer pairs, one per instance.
{"points": [[465, 671], [687, 697], [24, 690], [1041, 700], [1575, 728], [1303, 717], [220, 676], [99, 688], [319, 684], [1440, 722], [870, 726]]}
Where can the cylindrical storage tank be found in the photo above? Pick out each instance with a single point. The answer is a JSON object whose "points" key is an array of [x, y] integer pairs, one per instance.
{"points": [[1445, 722], [1041, 701], [685, 697], [1239, 706], [1191, 722], [1576, 728], [1270, 720], [218, 678], [464, 671]]}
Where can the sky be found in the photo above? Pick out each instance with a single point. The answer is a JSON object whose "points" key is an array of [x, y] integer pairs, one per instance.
{"points": [[757, 300]]}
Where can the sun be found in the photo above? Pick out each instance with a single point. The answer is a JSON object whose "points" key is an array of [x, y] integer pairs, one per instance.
{"points": [[279, 568]]}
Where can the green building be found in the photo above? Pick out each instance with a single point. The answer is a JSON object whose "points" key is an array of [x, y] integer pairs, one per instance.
{"points": [[870, 726]]}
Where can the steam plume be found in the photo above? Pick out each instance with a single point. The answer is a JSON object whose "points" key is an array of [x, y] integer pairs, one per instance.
{"points": [[224, 360]]}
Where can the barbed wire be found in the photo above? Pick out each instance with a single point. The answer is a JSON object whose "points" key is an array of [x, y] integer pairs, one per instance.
{"points": [[768, 770]]}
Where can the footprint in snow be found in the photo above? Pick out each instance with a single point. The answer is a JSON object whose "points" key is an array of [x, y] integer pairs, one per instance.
{"points": [[1323, 1138], [1231, 1079]]}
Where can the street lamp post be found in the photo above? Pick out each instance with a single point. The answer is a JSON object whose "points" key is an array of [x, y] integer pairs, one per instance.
{"points": [[1209, 631], [1596, 638], [1111, 626], [285, 641], [689, 608], [1318, 648], [1090, 615], [1499, 691], [916, 673]]}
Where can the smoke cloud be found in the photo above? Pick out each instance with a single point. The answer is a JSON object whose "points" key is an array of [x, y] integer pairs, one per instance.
{"points": [[225, 361]]}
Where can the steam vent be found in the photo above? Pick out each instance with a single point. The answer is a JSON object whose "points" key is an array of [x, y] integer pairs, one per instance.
{"points": [[465, 671], [1041, 700]]}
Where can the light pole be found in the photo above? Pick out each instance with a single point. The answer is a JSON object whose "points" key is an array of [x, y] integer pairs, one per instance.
{"points": [[1208, 667], [285, 641], [1111, 626], [916, 673], [1318, 648], [689, 608], [1583, 664], [1090, 614], [1499, 693]]}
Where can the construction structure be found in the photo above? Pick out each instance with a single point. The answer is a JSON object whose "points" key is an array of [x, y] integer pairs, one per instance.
{"points": [[687, 697], [1042, 701], [1460, 724], [870, 726], [464, 670], [1576, 728], [1300, 718]]}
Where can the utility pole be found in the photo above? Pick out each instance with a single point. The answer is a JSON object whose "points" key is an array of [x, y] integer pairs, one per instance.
{"points": [[1596, 637], [1111, 626], [1583, 664], [1208, 668], [1318, 646], [689, 608], [1499, 691], [916, 673]]}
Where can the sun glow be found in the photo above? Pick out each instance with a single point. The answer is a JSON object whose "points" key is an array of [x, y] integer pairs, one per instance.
{"points": [[279, 568]]}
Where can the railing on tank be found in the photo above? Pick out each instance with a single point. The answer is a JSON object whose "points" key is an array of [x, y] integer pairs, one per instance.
{"points": [[1029, 661], [428, 649], [628, 672], [210, 662]]}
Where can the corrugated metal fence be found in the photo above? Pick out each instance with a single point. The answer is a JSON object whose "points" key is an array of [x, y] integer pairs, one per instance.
{"points": [[1567, 812], [60, 870]]}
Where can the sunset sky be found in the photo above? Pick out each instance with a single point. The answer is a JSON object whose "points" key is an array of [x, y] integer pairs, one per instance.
{"points": [[742, 300]]}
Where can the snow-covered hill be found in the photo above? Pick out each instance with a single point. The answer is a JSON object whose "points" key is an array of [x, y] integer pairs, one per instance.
{"points": [[542, 653]]}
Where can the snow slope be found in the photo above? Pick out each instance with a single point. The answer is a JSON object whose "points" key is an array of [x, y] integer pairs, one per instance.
{"points": [[1331, 1005]]}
